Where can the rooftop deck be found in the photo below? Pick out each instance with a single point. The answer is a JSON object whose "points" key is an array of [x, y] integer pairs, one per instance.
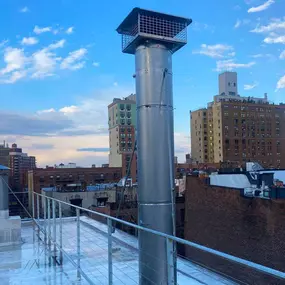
{"points": [[80, 250], [33, 262]]}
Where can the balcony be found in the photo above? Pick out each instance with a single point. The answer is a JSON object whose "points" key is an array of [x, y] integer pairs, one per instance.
{"points": [[58, 248]]}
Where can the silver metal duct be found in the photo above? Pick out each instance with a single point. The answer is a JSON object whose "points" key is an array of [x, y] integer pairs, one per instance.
{"points": [[155, 156], [153, 37]]}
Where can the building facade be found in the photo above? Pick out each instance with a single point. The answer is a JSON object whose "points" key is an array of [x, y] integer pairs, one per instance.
{"points": [[76, 178], [122, 126], [237, 129], [19, 163], [4, 154]]}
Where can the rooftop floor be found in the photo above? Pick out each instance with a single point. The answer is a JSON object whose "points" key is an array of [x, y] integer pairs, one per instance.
{"points": [[32, 262]]}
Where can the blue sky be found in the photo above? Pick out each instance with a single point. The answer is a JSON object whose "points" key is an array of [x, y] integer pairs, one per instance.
{"points": [[61, 64]]}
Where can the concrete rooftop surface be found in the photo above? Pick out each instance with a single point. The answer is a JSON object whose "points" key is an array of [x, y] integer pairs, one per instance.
{"points": [[33, 262]]}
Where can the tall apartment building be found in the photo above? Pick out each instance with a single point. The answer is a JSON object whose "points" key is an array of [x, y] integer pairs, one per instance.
{"points": [[19, 164], [236, 129], [4, 154], [122, 127]]}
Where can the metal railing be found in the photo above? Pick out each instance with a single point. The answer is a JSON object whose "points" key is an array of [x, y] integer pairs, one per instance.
{"points": [[49, 216], [170, 240]]}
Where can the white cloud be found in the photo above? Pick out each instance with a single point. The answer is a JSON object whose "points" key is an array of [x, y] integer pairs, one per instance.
{"points": [[14, 58], [275, 40], [281, 83], [29, 41], [215, 51], [250, 86], [230, 65], [260, 55], [262, 7], [38, 30], [237, 24], [58, 44], [282, 54], [70, 30], [3, 43], [24, 9], [275, 26], [231, 54], [96, 64], [51, 110], [44, 63], [242, 22], [41, 63], [275, 31], [14, 76], [115, 84], [72, 61], [69, 109]]}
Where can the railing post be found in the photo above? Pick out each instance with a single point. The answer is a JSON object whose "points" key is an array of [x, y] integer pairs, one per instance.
{"points": [[78, 242], [33, 205], [54, 227], [45, 218], [170, 261], [38, 213], [49, 229], [60, 233], [38, 207], [110, 263]]}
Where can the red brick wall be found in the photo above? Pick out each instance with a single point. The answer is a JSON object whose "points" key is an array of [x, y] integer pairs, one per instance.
{"points": [[253, 229]]}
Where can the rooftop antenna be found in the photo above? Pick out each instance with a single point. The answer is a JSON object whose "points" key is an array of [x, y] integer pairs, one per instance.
{"points": [[153, 37]]}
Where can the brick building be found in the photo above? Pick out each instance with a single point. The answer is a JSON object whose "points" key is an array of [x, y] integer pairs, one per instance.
{"points": [[122, 126], [73, 177], [237, 129], [249, 228], [4, 154], [20, 163]]}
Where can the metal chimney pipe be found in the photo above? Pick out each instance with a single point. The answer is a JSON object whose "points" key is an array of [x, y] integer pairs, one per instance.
{"points": [[153, 37], [155, 156], [4, 204]]}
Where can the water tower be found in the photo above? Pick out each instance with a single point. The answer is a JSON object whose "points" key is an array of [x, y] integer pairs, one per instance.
{"points": [[153, 37]]}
